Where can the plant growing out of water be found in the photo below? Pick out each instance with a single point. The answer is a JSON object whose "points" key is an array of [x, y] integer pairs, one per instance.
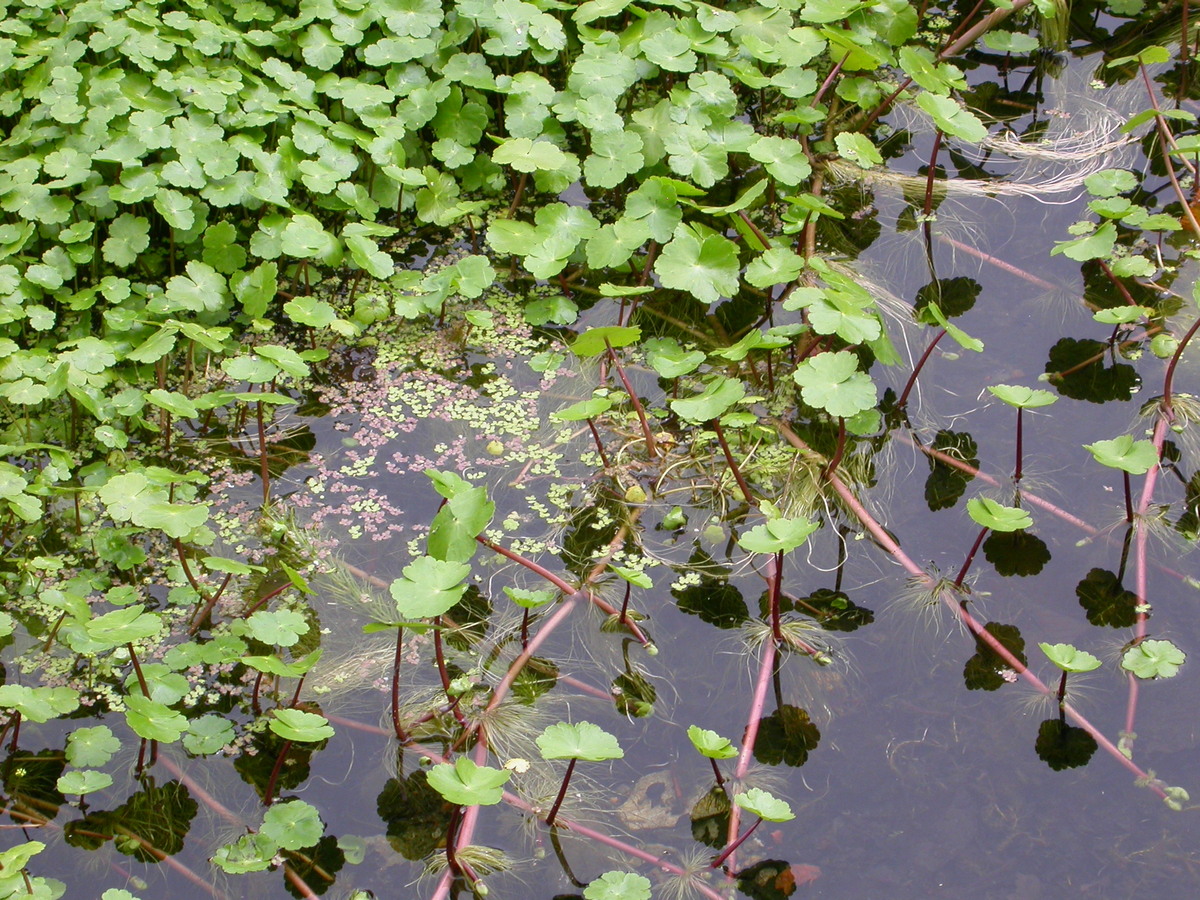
{"points": [[1130, 457], [763, 804], [1022, 398], [1069, 659], [711, 746], [464, 783], [992, 516], [582, 740], [778, 535]]}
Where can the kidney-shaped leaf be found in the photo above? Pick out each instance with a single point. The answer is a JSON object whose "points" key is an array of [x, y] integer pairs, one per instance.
{"points": [[832, 382], [429, 587], [467, 784], [764, 805], [618, 886], [1126, 454], [996, 516], [580, 741], [777, 535], [1153, 659], [711, 403], [298, 725], [1022, 397], [710, 744], [1069, 659]]}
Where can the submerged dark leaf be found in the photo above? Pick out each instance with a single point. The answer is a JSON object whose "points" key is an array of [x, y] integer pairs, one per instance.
{"points": [[1016, 552], [1105, 600], [1062, 746], [786, 736], [987, 670], [415, 814], [714, 601], [710, 818], [947, 483], [1088, 378]]}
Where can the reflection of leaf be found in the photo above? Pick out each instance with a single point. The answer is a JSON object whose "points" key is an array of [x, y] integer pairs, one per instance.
{"points": [[160, 816], [834, 610], [986, 669], [1105, 600], [946, 484], [786, 736], [1062, 746], [416, 815], [1016, 552], [710, 817], [714, 601], [633, 694]]}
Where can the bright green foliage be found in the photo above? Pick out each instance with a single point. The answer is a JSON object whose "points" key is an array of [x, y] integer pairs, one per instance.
{"points": [[468, 784], [778, 535], [700, 262], [633, 576], [584, 409], [618, 886], [454, 529], [710, 744], [93, 746], [152, 720], [83, 781], [1021, 396], [298, 725], [39, 704], [528, 599], [281, 627], [429, 587], [832, 382], [764, 805], [996, 516], [582, 740], [718, 396], [1153, 659], [1124, 453], [1069, 659], [595, 341], [292, 825]]}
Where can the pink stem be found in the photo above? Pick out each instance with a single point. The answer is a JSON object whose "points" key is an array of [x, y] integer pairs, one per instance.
{"points": [[973, 625]]}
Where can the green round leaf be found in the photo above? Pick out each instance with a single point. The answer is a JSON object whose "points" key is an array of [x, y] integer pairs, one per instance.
{"points": [[764, 805], [1067, 658], [996, 516], [582, 740], [1153, 659]]}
